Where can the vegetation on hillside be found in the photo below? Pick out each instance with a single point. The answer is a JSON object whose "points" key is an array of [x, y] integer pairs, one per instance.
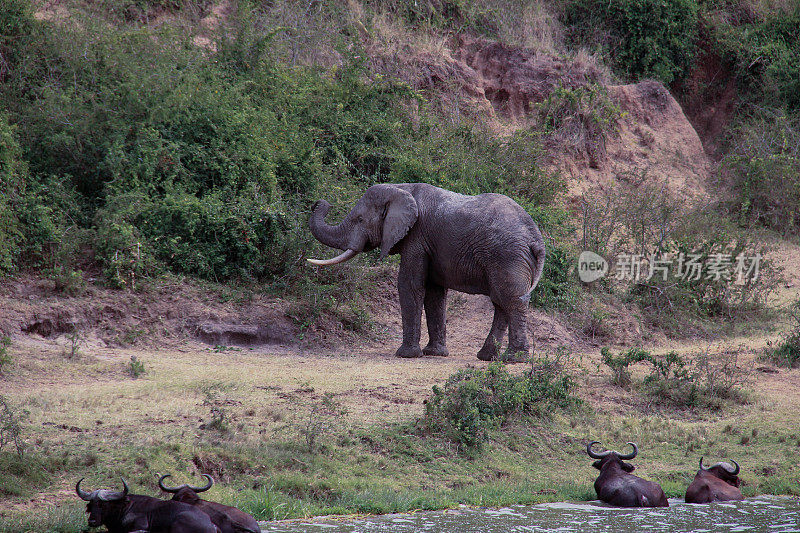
{"points": [[130, 150]]}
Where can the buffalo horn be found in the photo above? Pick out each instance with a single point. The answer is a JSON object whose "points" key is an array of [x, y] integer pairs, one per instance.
{"points": [[85, 496], [631, 455], [593, 454], [728, 468], [208, 485], [172, 490], [108, 496]]}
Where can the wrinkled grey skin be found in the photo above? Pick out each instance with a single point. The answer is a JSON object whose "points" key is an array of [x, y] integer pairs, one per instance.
{"points": [[485, 244]]}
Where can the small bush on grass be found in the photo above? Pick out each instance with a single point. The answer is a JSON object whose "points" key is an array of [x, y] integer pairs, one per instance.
{"points": [[320, 420], [5, 357], [136, 367], [683, 265], [700, 380], [473, 402], [11, 426], [787, 352]]}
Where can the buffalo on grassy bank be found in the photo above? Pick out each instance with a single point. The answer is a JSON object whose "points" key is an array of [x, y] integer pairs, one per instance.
{"points": [[228, 519], [617, 486], [719, 482]]}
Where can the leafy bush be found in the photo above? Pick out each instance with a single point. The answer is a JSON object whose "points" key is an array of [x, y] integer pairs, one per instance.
{"points": [[620, 374], [787, 352], [578, 120], [697, 381], [166, 157], [761, 165], [647, 223], [558, 287], [645, 39], [10, 426], [31, 213], [16, 22], [472, 402], [136, 367], [762, 50], [5, 357]]}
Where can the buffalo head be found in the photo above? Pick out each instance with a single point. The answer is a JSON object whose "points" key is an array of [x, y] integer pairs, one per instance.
{"points": [[103, 502], [185, 493], [724, 471], [610, 456]]}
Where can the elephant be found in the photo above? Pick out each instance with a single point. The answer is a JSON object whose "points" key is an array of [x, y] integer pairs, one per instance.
{"points": [[485, 244]]}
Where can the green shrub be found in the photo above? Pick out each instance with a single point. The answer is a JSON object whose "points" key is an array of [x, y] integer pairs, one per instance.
{"points": [[762, 164], [472, 402], [762, 50], [16, 23], [645, 39], [5, 357], [578, 119], [699, 380], [620, 374], [453, 15], [11, 427], [787, 351], [647, 221], [136, 367]]}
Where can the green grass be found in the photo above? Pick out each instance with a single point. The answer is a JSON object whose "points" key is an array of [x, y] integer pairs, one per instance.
{"points": [[389, 468]]}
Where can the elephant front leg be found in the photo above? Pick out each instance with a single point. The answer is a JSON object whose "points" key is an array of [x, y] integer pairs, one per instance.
{"points": [[411, 289], [436, 317], [491, 346]]}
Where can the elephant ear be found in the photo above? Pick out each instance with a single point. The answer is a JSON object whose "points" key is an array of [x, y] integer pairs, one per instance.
{"points": [[401, 213]]}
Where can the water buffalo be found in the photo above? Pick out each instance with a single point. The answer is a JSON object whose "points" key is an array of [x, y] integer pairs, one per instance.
{"points": [[121, 512], [617, 486], [228, 519], [719, 482]]}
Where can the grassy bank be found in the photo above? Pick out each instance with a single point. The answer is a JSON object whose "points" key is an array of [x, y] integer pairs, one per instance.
{"points": [[297, 435]]}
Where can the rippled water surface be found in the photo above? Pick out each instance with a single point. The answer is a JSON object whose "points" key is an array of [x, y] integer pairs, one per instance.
{"points": [[768, 514]]}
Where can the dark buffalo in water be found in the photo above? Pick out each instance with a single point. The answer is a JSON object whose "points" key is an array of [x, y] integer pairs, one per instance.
{"points": [[617, 486], [121, 512], [228, 519], [719, 482]]}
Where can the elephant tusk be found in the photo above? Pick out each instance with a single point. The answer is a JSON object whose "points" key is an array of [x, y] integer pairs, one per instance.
{"points": [[341, 258]]}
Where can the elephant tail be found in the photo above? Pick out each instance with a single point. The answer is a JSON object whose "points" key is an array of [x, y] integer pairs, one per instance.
{"points": [[538, 253]]}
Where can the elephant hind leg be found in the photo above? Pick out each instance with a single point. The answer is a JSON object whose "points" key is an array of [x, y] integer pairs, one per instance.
{"points": [[518, 346], [491, 345], [436, 317]]}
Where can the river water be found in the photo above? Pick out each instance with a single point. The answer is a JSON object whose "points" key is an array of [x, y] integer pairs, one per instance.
{"points": [[762, 514]]}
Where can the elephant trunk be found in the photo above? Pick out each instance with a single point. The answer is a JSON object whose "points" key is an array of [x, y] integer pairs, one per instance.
{"points": [[333, 236]]}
